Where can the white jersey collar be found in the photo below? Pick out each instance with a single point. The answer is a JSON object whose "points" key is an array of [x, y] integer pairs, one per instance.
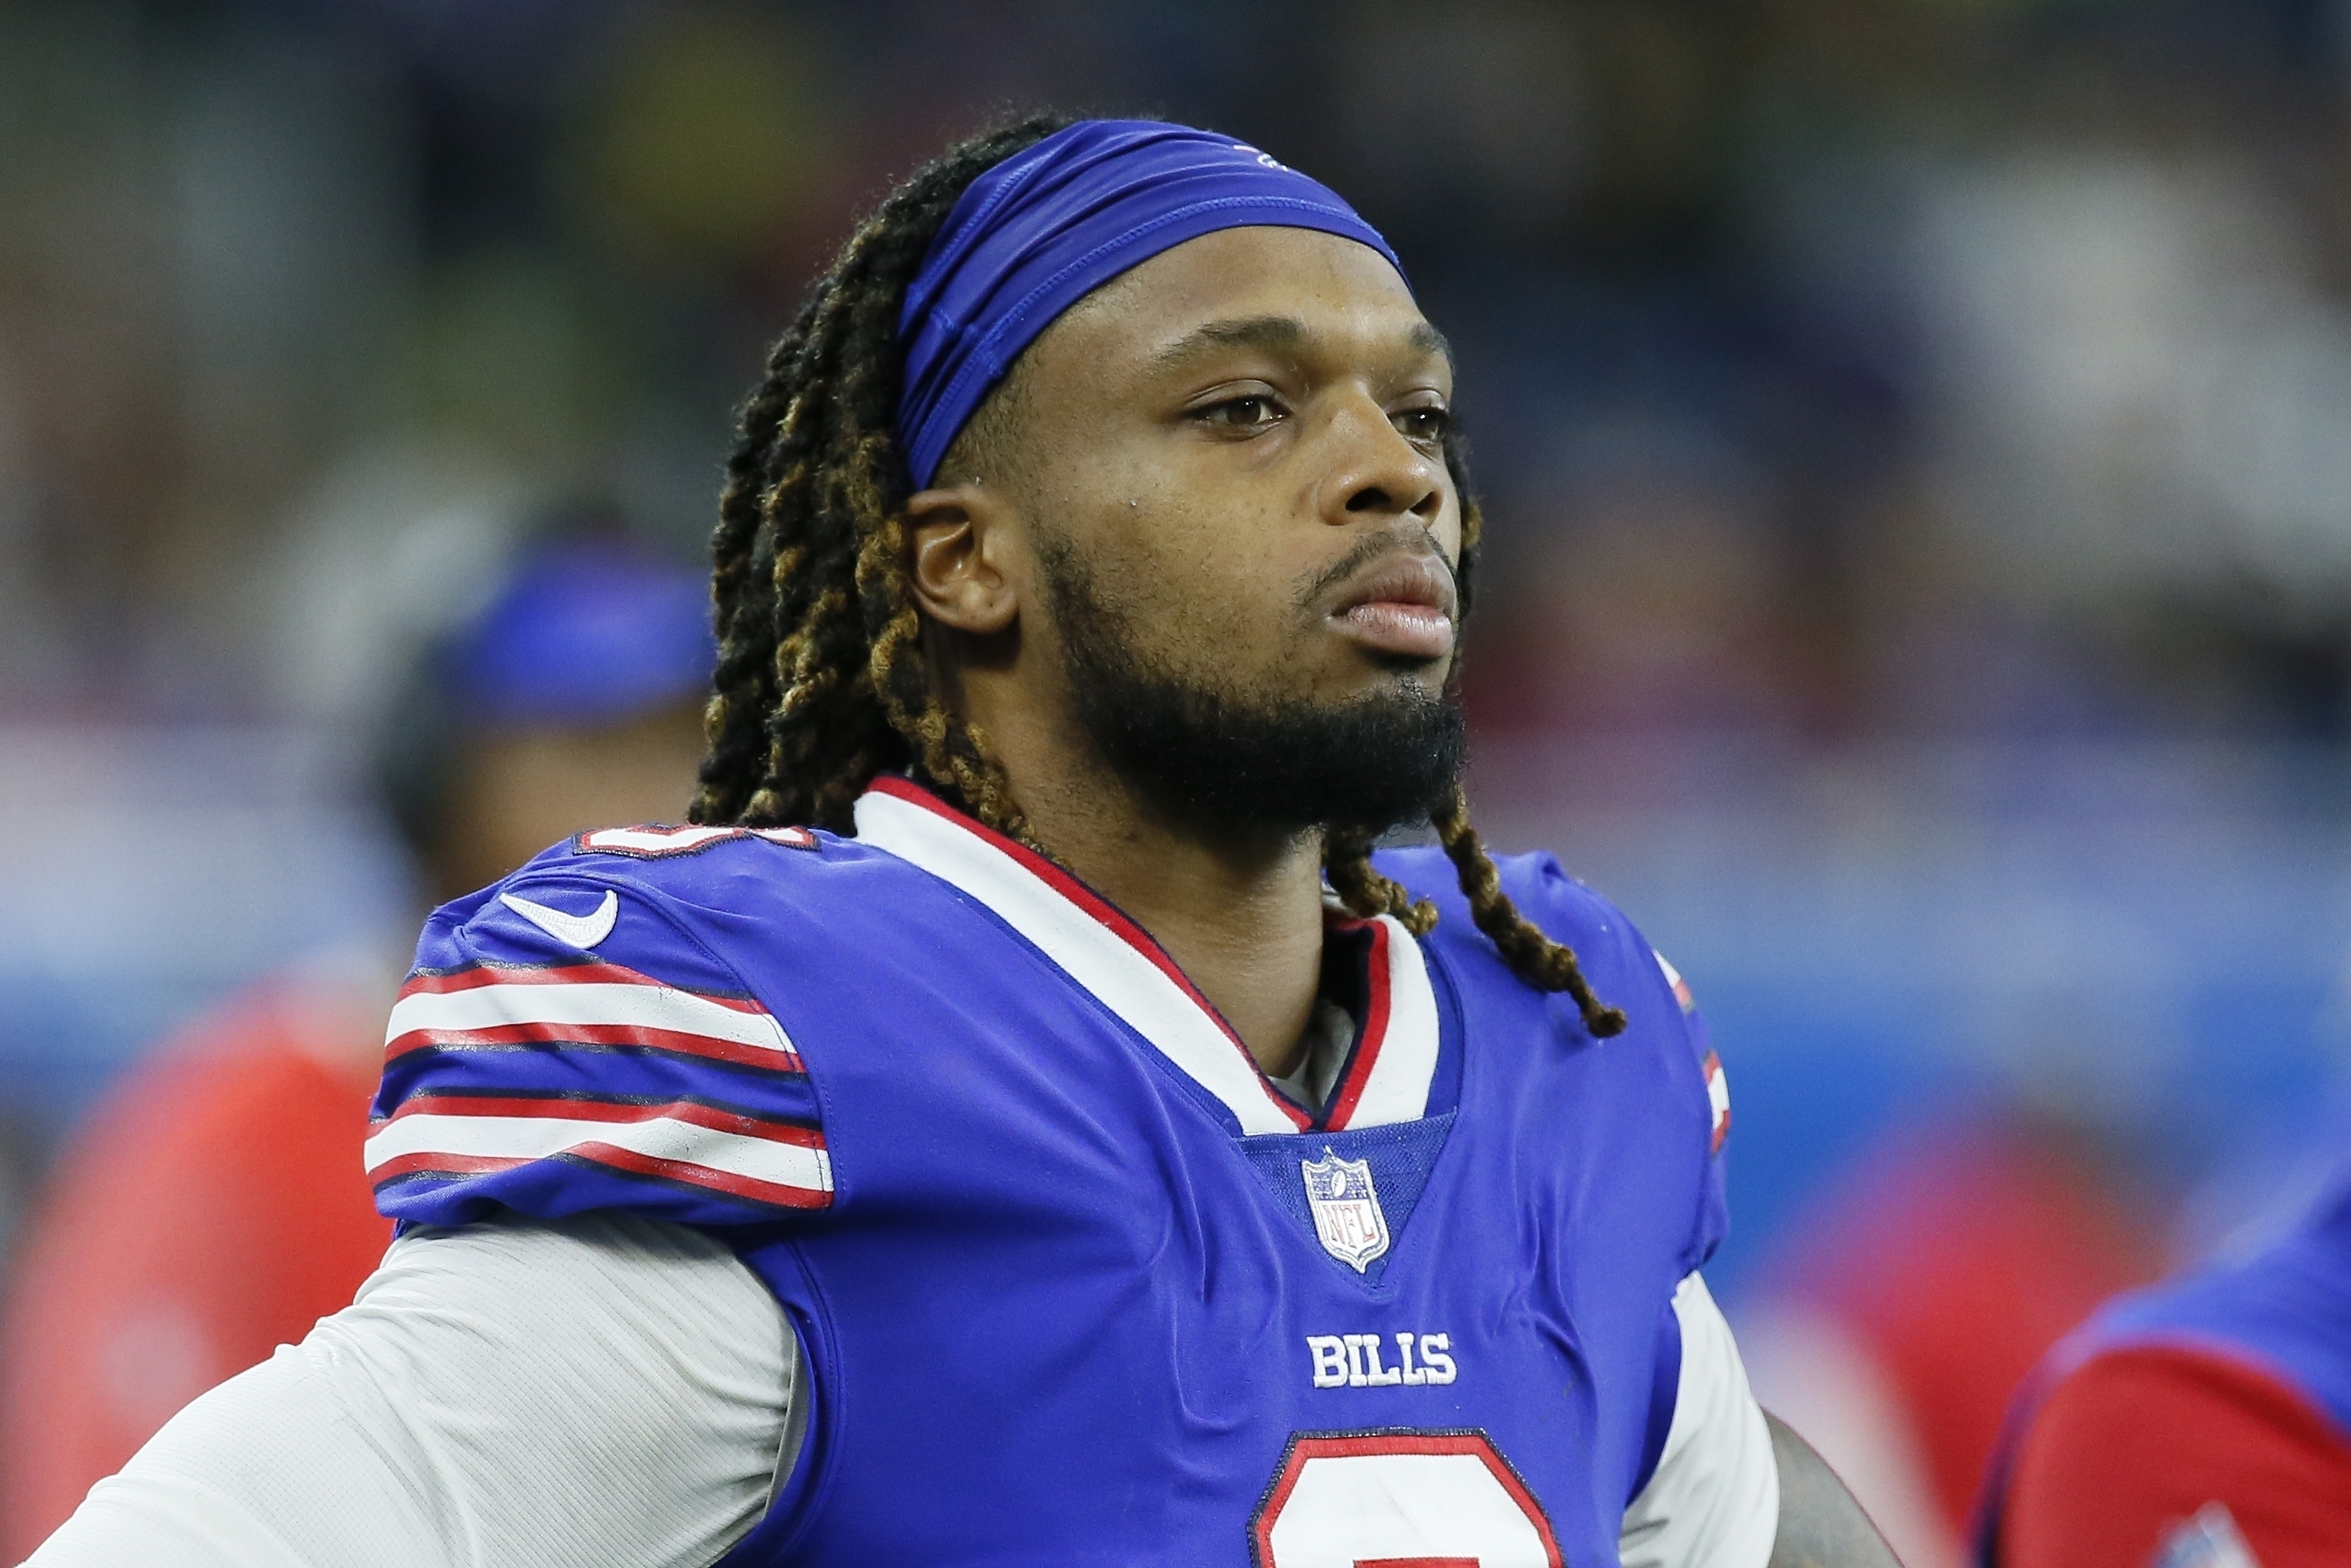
{"points": [[1394, 1058]]}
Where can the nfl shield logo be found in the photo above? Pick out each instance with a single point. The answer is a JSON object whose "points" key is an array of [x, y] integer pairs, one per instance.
{"points": [[1346, 1208]]}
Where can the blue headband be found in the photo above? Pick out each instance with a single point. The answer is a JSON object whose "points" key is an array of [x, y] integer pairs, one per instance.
{"points": [[1046, 227]]}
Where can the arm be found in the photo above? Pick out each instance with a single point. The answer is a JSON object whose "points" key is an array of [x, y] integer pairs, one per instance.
{"points": [[1820, 1524], [1713, 1501], [594, 1390], [1734, 1487]]}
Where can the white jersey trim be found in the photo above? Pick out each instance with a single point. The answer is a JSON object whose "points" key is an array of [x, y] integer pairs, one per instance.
{"points": [[1132, 982], [1397, 1087]]}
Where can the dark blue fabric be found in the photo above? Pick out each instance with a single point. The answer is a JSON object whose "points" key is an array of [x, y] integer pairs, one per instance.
{"points": [[1046, 227]]}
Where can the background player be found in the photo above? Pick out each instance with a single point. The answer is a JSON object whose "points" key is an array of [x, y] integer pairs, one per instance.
{"points": [[1173, 614], [216, 1207], [2203, 1423]]}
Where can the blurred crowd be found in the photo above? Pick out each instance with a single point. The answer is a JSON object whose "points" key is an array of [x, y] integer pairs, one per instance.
{"points": [[1917, 444]]}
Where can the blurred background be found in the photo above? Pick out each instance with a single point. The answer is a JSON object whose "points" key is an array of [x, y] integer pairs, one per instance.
{"points": [[1917, 440]]}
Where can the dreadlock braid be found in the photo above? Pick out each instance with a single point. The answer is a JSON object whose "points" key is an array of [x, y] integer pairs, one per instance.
{"points": [[1347, 861], [820, 682], [1542, 961], [1347, 854], [952, 754]]}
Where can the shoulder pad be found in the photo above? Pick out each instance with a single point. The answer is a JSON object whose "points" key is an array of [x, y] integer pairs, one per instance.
{"points": [[567, 1042]]}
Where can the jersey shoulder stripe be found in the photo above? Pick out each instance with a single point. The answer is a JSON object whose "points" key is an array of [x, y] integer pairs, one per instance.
{"points": [[523, 1072], [589, 1004], [459, 1135]]}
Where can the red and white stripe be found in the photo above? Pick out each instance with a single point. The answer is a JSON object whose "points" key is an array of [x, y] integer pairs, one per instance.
{"points": [[583, 1004], [1396, 1057], [1682, 997], [1112, 957], [741, 1156], [1717, 1099]]}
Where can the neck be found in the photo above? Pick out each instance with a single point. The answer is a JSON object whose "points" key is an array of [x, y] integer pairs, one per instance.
{"points": [[1241, 913]]}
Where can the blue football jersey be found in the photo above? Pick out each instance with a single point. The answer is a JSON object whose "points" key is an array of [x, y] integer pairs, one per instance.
{"points": [[2283, 1313], [2286, 1310], [1074, 1283]]}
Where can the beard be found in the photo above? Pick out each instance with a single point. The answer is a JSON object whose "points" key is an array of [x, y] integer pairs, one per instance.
{"points": [[1222, 756]]}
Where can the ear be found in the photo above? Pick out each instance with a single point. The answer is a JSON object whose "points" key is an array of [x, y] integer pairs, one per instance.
{"points": [[962, 539]]}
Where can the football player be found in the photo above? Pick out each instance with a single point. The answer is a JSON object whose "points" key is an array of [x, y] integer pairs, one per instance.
{"points": [[1019, 1120], [212, 1207], [2204, 1423]]}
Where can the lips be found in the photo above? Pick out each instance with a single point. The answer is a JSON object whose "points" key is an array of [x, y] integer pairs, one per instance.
{"points": [[1400, 604]]}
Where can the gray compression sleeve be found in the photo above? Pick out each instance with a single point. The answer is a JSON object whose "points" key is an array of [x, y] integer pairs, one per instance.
{"points": [[524, 1396]]}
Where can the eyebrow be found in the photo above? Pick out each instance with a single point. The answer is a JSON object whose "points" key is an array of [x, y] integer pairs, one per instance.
{"points": [[1277, 333]]}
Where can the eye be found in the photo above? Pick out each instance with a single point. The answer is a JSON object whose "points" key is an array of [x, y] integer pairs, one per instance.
{"points": [[1253, 411], [1424, 426]]}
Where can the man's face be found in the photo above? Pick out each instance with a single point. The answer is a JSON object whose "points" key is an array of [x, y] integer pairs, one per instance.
{"points": [[1231, 472], [520, 791]]}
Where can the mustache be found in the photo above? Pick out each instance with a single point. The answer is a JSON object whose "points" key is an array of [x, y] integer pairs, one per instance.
{"points": [[1367, 550]]}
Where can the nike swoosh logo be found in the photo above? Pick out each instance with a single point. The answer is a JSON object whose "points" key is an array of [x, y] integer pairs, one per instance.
{"points": [[582, 931]]}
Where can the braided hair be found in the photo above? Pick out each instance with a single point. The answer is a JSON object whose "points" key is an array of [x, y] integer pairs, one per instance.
{"points": [[820, 684]]}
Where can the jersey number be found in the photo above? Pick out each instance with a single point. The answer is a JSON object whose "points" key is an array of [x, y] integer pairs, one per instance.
{"points": [[1399, 1500], [655, 842]]}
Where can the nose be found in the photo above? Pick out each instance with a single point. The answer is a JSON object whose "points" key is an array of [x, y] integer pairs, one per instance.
{"points": [[1377, 475]]}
